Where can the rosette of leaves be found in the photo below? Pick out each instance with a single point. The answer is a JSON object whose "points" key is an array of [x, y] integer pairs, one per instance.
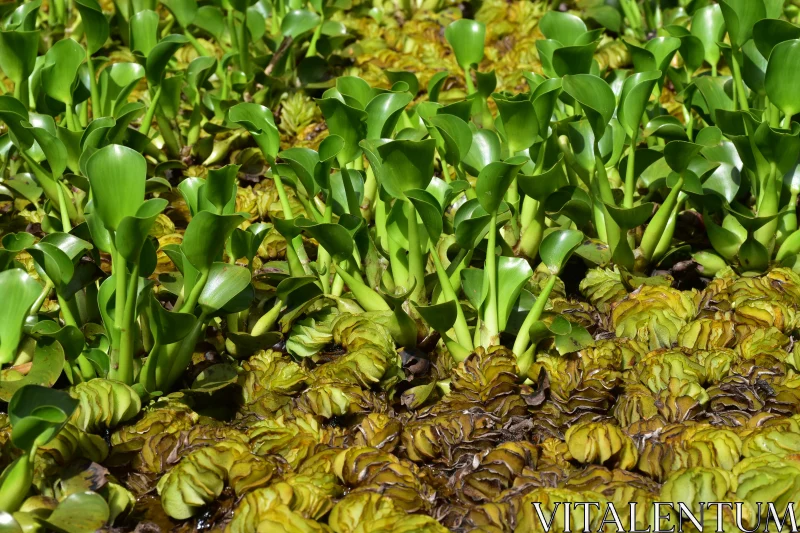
{"points": [[365, 469], [448, 438], [659, 367], [601, 443], [770, 440], [163, 450], [311, 496], [653, 315], [130, 439], [711, 447], [367, 511], [707, 334], [767, 478], [307, 337], [635, 402], [486, 379], [326, 398], [270, 373], [603, 287], [378, 430], [695, 485], [497, 470], [292, 436], [104, 404], [527, 516], [201, 475]]}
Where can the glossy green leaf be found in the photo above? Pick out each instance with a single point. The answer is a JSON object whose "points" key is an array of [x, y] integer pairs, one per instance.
{"points": [[205, 238], [18, 54], [161, 55], [783, 75], [466, 37], [383, 112], [512, 274], [224, 283], [95, 24], [348, 123], [708, 25], [298, 22], [636, 92], [60, 71], [520, 123], [37, 414], [562, 27], [740, 17], [21, 291], [81, 512], [117, 175], [557, 247], [596, 98], [429, 211], [485, 149], [495, 179], [401, 165]]}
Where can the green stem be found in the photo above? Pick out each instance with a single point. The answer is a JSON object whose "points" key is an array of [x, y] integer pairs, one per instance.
{"points": [[324, 258], [48, 286], [66, 227], [490, 320], [312, 47], [181, 356], [365, 296], [416, 268], [267, 320], [127, 333], [151, 111], [524, 335], [630, 177], [460, 326], [244, 52], [15, 483], [468, 80], [70, 118], [768, 205], [532, 238], [604, 188], [740, 91], [652, 235], [66, 311], [147, 377], [191, 302]]}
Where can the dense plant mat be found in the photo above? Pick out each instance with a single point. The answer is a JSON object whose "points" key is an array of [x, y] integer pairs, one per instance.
{"points": [[374, 267]]}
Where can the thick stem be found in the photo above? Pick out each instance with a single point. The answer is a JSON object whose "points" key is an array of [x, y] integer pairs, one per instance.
{"points": [[768, 205], [490, 320], [741, 94], [416, 268], [532, 238], [312, 47], [48, 286], [267, 320], [147, 377], [66, 226], [524, 335], [460, 326], [630, 177], [604, 188], [147, 122], [181, 356], [652, 235], [97, 104], [127, 337], [324, 258], [244, 53], [468, 80], [16, 483], [191, 301]]}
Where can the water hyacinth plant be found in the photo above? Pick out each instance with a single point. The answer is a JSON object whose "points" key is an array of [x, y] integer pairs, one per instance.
{"points": [[347, 267]]}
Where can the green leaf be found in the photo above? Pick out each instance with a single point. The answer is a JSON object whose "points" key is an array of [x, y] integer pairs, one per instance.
{"points": [[215, 377], [225, 282], [630, 218], [133, 231], [466, 37], [117, 175], [60, 71], [573, 59], [520, 124], [205, 238], [37, 414], [398, 76], [335, 238], [184, 11], [783, 75], [18, 50], [740, 17], [144, 31], [347, 122], [708, 25], [636, 92], [81, 512], [562, 27], [512, 274], [160, 56], [485, 149], [596, 98], [220, 187], [298, 22], [435, 85], [495, 179], [557, 247], [768, 33], [429, 211], [95, 24], [20, 291], [679, 154], [384, 111], [401, 165], [53, 262], [440, 317]]}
